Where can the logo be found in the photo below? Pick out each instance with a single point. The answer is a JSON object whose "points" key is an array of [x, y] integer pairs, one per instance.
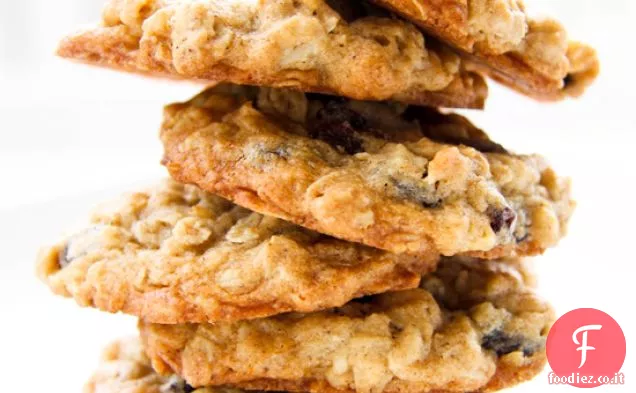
{"points": [[586, 348]]}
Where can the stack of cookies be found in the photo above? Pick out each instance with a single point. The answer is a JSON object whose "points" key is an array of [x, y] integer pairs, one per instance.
{"points": [[326, 227]]}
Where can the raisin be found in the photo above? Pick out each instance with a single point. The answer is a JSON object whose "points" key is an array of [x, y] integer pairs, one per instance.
{"points": [[177, 385], [500, 218], [567, 81], [522, 238], [395, 329], [501, 343], [340, 136], [336, 110], [416, 193], [84, 239], [336, 124]]}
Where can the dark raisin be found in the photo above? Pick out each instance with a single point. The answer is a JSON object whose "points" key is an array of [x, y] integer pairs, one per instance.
{"points": [[340, 136], [336, 110], [501, 218], [336, 124], [501, 343], [177, 385], [522, 238], [529, 350], [416, 193], [567, 81], [395, 329], [63, 259]]}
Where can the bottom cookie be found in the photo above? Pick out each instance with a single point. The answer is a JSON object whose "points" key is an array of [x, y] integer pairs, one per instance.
{"points": [[124, 368], [473, 325]]}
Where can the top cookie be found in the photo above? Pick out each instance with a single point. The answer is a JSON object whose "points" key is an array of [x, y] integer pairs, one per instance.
{"points": [[303, 44], [404, 179], [528, 54]]}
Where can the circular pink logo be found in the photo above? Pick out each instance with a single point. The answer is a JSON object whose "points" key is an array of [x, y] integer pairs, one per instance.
{"points": [[586, 348]]}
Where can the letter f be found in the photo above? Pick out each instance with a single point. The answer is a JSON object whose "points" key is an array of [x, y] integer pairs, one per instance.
{"points": [[583, 344]]}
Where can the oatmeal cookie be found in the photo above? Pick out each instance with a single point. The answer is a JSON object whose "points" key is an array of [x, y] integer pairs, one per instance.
{"points": [[404, 179], [305, 44], [531, 55], [124, 368], [473, 326], [176, 254]]}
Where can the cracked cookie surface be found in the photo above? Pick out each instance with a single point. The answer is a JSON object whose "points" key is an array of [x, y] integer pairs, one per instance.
{"points": [[176, 254], [403, 179], [303, 44], [531, 55], [472, 326]]}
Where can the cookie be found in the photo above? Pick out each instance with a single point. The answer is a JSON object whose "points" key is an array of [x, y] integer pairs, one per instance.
{"points": [[404, 179], [176, 254], [305, 44], [473, 326], [124, 368], [530, 55]]}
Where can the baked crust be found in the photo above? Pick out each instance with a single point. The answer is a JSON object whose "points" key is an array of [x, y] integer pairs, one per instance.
{"points": [[303, 44], [176, 254], [530, 55], [474, 326], [403, 179]]}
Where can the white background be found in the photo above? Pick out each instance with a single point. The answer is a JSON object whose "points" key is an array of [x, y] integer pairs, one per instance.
{"points": [[72, 136]]}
